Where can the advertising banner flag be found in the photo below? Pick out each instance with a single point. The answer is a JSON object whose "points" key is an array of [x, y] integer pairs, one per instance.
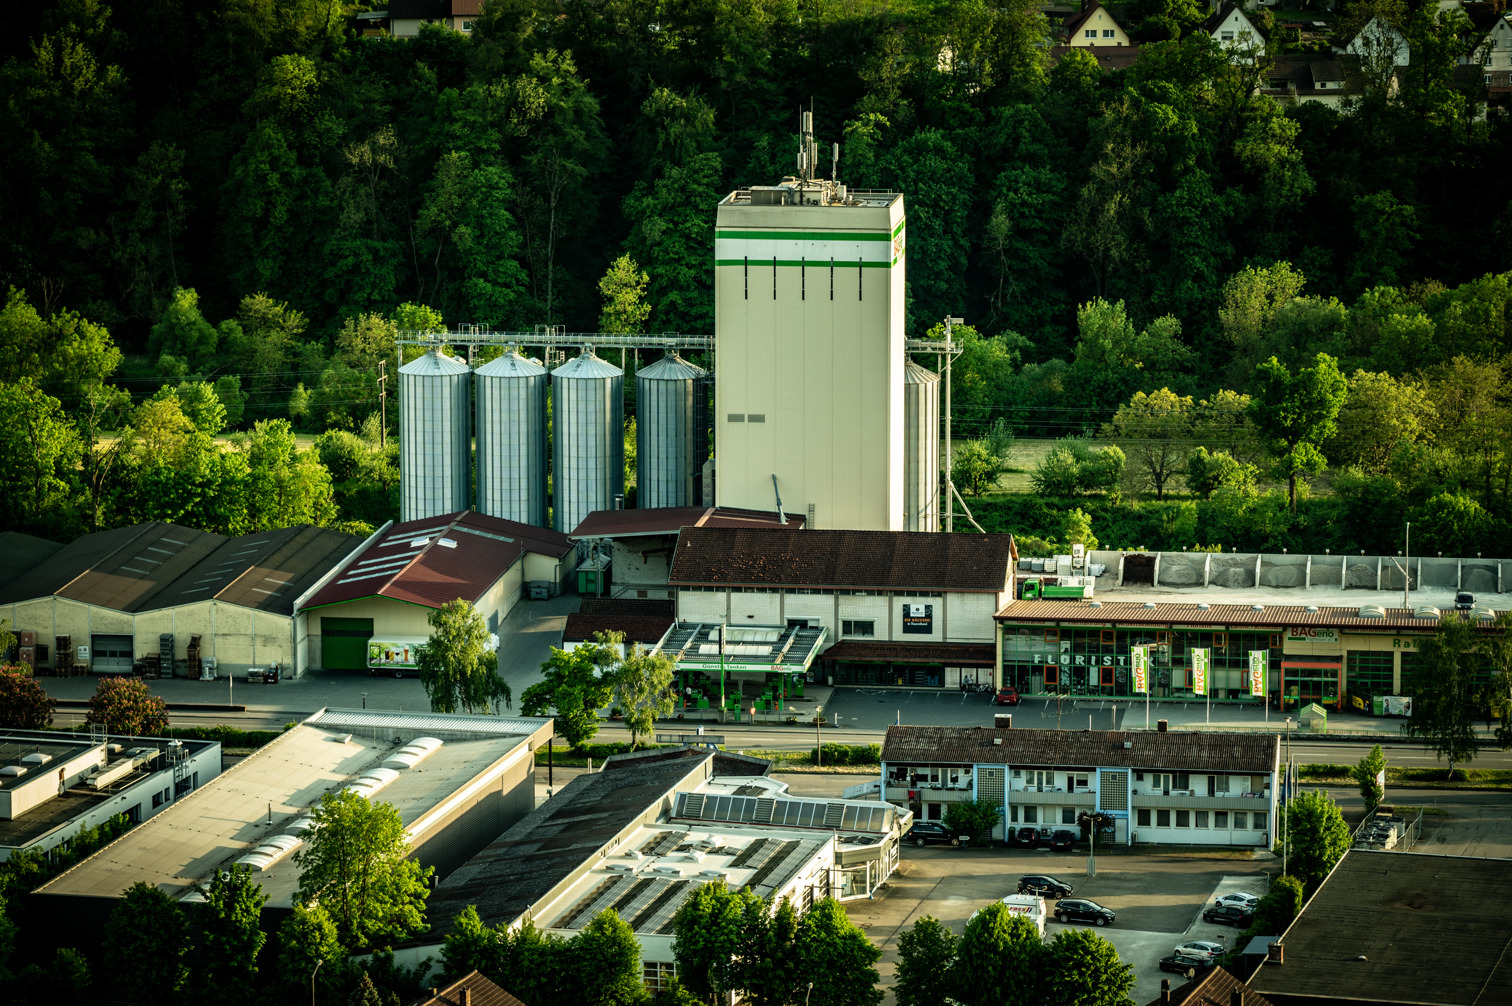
{"points": [[1200, 658], [1139, 657], [1259, 666]]}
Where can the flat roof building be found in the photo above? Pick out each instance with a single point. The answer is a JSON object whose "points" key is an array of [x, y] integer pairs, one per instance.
{"points": [[467, 779], [1397, 927], [54, 784], [1197, 788], [641, 835]]}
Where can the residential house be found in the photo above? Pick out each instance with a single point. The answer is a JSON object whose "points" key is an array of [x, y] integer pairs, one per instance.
{"points": [[1171, 788], [1322, 77], [1232, 30], [1109, 58], [1094, 26], [406, 16]]}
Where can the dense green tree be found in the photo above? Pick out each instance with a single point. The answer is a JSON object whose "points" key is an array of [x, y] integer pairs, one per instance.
{"points": [[310, 953], [534, 963], [1317, 834], [1380, 413], [1445, 684], [1206, 473], [1452, 524], [975, 470], [182, 332], [1368, 774], [643, 691], [227, 938], [24, 703], [1297, 412], [355, 867], [707, 937], [973, 818], [126, 706], [768, 967], [935, 176], [1000, 959], [838, 957], [1153, 431], [605, 963], [1083, 969], [926, 951], [458, 663], [624, 291], [146, 946], [578, 684]]}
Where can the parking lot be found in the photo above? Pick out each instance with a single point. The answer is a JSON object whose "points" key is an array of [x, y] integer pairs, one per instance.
{"points": [[1158, 899]]}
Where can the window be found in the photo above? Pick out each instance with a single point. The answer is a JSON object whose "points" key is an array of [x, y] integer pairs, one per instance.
{"points": [[1090, 33], [1108, 33], [1228, 36], [1259, 824], [1162, 639], [657, 974], [1142, 817], [1202, 817], [1220, 819], [1139, 777], [1105, 637], [1221, 638], [1052, 635], [1077, 781], [157, 799], [1160, 781], [932, 812], [1031, 814], [1275, 640], [858, 627], [467, 26], [1162, 819], [1241, 820], [1183, 819], [1013, 814], [1068, 815]]}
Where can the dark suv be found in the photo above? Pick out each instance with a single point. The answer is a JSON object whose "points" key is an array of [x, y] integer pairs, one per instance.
{"points": [[1063, 840], [1024, 836], [1229, 915], [1045, 887], [1077, 910], [931, 831]]}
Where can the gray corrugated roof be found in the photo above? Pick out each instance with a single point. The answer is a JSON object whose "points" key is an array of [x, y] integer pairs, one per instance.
{"points": [[1191, 751], [21, 553], [267, 570]]}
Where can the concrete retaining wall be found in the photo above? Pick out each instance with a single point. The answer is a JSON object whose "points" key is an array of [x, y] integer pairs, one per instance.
{"points": [[1283, 571], [1233, 570]]}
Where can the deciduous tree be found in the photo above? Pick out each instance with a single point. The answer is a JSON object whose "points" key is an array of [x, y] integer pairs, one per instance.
{"points": [[354, 866], [127, 706], [146, 946], [1369, 773], [643, 689], [458, 664], [1083, 969], [973, 819], [838, 957], [1296, 412], [926, 952], [1000, 961], [578, 684], [24, 704], [707, 935], [227, 938], [1318, 835], [1444, 683], [1154, 431]]}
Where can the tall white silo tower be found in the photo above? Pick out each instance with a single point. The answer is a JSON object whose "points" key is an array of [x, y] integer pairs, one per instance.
{"points": [[511, 409], [671, 432], [435, 436], [587, 439], [921, 449]]}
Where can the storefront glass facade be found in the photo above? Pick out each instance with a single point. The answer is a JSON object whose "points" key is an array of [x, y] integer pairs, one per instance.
{"points": [[1074, 660]]}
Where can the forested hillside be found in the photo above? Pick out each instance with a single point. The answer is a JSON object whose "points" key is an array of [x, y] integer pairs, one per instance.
{"points": [[242, 200]]}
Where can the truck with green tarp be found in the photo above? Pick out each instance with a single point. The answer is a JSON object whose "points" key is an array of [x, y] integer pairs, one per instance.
{"points": [[1066, 588]]}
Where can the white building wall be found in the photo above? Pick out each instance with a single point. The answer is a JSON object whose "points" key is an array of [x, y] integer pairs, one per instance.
{"points": [[763, 608], [702, 605], [971, 618]]}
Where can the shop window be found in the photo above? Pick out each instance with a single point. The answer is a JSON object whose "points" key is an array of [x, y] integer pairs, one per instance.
{"points": [[1107, 677], [1106, 637], [1220, 819], [1031, 814], [1220, 639], [858, 627], [657, 975], [1052, 635], [1163, 638], [1241, 820], [1162, 819], [1275, 640], [1142, 817], [1052, 675], [1202, 817], [1068, 815], [1183, 819]]}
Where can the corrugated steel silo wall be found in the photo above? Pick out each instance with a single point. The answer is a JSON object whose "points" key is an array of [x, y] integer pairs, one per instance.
{"points": [[435, 438], [670, 427], [512, 440], [921, 449], [587, 439]]}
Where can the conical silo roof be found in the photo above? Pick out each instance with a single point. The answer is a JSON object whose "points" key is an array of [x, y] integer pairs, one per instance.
{"points": [[434, 364], [511, 364], [915, 374], [588, 366], [671, 368]]}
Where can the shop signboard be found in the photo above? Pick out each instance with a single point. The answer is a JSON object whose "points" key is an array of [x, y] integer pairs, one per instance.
{"points": [[1141, 663], [918, 619], [1200, 662], [1309, 634], [1259, 665]]}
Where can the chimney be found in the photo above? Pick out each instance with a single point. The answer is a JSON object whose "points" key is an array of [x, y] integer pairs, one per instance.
{"points": [[1165, 990], [1161, 726], [1236, 997], [1003, 721], [1276, 954], [464, 996]]}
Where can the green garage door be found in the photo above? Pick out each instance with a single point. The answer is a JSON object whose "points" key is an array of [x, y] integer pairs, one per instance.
{"points": [[343, 643]]}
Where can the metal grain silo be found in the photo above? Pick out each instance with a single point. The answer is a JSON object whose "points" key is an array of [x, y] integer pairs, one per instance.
{"points": [[921, 449], [587, 438], [671, 432], [435, 436], [512, 439]]}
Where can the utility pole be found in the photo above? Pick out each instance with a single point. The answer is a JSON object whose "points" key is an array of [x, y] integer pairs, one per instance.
{"points": [[1407, 567], [950, 324], [1286, 806], [382, 405]]}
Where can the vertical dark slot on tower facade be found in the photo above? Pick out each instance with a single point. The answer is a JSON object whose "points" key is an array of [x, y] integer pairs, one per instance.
{"points": [[832, 279], [747, 261], [803, 279], [774, 277], [858, 279]]}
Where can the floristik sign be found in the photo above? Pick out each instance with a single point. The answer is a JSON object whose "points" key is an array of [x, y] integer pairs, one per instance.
{"points": [[1200, 660], [1259, 664]]}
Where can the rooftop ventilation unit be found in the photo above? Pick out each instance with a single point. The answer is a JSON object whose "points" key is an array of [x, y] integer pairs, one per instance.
{"points": [[1257, 607], [714, 874], [111, 773], [36, 758], [1204, 606], [13, 771], [1312, 609], [413, 753], [1149, 604], [665, 871], [1372, 611], [1426, 611], [619, 868]]}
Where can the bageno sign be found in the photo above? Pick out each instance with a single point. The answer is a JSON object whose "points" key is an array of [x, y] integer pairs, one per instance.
{"points": [[1308, 634]]}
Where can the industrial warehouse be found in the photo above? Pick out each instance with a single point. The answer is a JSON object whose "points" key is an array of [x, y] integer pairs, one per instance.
{"points": [[457, 781]]}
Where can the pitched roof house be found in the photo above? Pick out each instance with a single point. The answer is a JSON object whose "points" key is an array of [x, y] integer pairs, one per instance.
{"points": [[1094, 25]]}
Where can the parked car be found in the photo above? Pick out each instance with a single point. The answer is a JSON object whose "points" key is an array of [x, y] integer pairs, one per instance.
{"points": [[1076, 910], [1464, 601], [1025, 836], [1237, 900], [1229, 915], [1183, 964], [924, 832], [1200, 948], [1007, 696], [1045, 887], [1063, 840]]}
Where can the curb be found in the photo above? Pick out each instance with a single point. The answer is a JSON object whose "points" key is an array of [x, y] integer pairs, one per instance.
{"points": [[183, 707]]}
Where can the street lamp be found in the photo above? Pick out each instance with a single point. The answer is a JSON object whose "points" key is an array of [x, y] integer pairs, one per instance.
{"points": [[312, 981], [1286, 809], [364, 700], [818, 746]]}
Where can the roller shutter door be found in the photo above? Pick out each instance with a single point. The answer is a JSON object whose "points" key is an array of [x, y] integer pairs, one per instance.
{"points": [[343, 643], [110, 654]]}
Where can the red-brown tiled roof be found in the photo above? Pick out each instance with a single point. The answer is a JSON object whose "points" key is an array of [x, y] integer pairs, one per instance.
{"points": [[1109, 57], [909, 560], [635, 628], [952, 654], [642, 606], [435, 560], [480, 992], [1270, 616], [670, 520], [1196, 751], [1215, 988]]}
